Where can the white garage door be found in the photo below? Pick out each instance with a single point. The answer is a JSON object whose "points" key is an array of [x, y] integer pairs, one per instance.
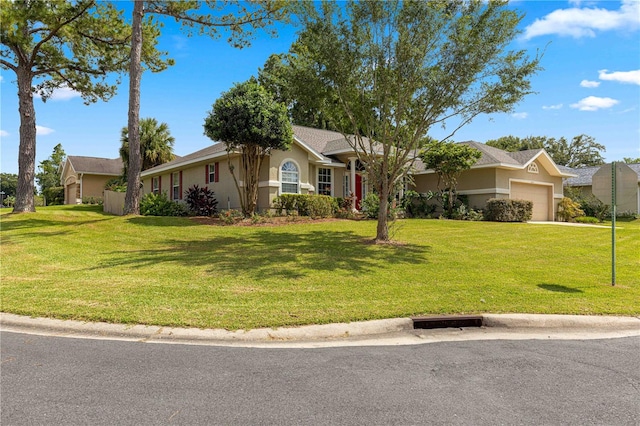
{"points": [[540, 195]]}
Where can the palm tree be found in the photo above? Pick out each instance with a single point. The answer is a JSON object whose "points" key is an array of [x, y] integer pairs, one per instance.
{"points": [[156, 144]]}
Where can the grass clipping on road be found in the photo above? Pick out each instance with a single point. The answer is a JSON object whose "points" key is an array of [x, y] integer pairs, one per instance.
{"points": [[75, 262]]}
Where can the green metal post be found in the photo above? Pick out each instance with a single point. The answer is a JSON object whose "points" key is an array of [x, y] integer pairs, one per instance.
{"points": [[613, 223]]}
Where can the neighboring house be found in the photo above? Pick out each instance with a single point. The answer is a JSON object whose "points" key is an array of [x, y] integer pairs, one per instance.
{"points": [[583, 180], [323, 162], [84, 177], [525, 175]]}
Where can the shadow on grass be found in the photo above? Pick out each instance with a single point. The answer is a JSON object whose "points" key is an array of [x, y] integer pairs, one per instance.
{"points": [[559, 288], [269, 255], [161, 221]]}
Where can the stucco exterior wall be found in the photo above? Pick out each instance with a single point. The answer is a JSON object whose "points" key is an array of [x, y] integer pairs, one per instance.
{"points": [[195, 174], [93, 185], [299, 157]]}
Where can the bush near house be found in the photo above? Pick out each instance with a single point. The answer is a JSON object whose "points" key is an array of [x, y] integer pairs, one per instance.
{"points": [[306, 205], [93, 200], [569, 210], [417, 205], [159, 205], [508, 210], [201, 201]]}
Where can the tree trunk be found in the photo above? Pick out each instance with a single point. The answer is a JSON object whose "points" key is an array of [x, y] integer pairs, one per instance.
{"points": [[382, 231], [132, 199], [27, 152]]}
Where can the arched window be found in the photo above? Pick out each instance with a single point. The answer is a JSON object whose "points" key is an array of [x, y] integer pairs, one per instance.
{"points": [[289, 177]]}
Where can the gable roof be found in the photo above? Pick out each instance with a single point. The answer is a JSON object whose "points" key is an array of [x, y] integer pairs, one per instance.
{"points": [[314, 141], [94, 165], [498, 158], [584, 175], [211, 152]]}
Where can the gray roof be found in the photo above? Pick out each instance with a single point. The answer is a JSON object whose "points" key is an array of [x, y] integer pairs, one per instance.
{"points": [[585, 175], [316, 138], [95, 165], [494, 156], [212, 151]]}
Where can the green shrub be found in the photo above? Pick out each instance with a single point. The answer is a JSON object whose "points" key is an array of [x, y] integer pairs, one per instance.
{"points": [[417, 205], [305, 205], [93, 200], [569, 210], [370, 206], [626, 214], [54, 195], [201, 201], [10, 201], [118, 184], [590, 205], [587, 219], [159, 205], [508, 210]]}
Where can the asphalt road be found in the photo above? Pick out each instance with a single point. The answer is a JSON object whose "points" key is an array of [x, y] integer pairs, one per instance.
{"points": [[58, 381]]}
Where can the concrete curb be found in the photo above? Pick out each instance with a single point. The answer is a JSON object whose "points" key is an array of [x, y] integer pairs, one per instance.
{"points": [[561, 321], [101, 330], [377, 329]]}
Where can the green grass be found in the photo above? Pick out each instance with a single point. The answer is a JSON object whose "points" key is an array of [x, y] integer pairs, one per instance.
{"points": [[75, 262]]}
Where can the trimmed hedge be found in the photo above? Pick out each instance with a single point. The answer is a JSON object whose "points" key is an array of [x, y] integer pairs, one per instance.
{"points": [[306, 205], [508, 210]]}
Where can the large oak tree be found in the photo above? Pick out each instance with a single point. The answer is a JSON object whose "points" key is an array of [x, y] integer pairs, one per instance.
{"points": [[394, 69], [582, 151]]}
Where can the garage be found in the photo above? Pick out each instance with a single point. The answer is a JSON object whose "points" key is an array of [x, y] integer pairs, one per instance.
{"points": [[540, 195]]}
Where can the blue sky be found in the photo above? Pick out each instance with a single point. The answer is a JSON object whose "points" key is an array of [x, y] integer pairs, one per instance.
{"points": [[590, 84]]}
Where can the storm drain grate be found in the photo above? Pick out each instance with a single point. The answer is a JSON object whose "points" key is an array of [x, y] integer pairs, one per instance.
{"points": [[456, 321]]}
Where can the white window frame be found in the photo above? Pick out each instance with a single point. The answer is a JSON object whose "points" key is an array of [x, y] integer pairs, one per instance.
{"points": [[285, 179], [155, 185], [212, 173], [175, 185], [323, 183], [346, 186]]}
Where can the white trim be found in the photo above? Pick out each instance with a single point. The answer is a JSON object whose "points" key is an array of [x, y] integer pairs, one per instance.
{"points": [[530, 182], [167, 167], [504, 191], [286, 160], [307, 186], [269, 184], [558, 196]]}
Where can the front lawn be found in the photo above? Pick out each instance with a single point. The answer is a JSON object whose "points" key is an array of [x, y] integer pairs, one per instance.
{"points": [[75, 262]]}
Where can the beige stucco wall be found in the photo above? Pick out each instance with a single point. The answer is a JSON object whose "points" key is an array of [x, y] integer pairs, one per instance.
{"points": [[194, 174], [481, 184], [93, 185]]}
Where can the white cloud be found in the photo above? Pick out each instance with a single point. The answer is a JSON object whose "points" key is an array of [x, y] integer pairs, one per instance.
{"points": [[4, 133], [558, 106], [589, 84], [630, 77], [584, 22], [520, 115], [594, 103], [42, 131], [61, 94]]}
